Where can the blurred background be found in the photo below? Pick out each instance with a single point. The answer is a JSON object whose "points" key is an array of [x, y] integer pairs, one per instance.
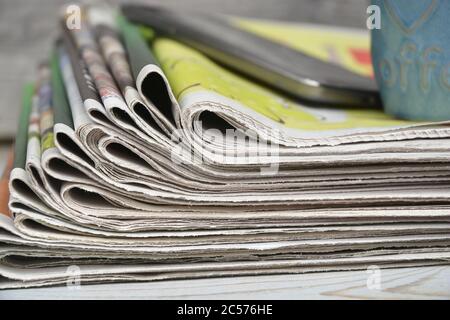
{"points": [[27, 28]]}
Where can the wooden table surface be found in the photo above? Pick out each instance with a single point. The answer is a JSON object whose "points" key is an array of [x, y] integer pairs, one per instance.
{"points": [[405, 283]]}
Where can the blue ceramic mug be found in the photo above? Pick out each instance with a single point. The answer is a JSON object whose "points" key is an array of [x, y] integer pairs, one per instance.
{"points": [[411, 58]]}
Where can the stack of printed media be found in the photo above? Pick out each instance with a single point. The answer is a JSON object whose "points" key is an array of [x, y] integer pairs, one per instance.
{"points": [[139, 158]]}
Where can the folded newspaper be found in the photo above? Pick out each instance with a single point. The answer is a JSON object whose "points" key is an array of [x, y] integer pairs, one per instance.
{"points": [[139, 158]]}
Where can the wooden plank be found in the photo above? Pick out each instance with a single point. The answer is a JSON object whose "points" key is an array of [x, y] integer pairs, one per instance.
{"points": [[405, 283]]}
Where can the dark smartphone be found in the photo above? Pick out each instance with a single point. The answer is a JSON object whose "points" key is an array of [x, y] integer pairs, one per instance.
{"points": [[278, 66]]}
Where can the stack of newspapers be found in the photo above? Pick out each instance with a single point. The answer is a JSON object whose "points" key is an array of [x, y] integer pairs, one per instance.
{"points": [[139, 157]]}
